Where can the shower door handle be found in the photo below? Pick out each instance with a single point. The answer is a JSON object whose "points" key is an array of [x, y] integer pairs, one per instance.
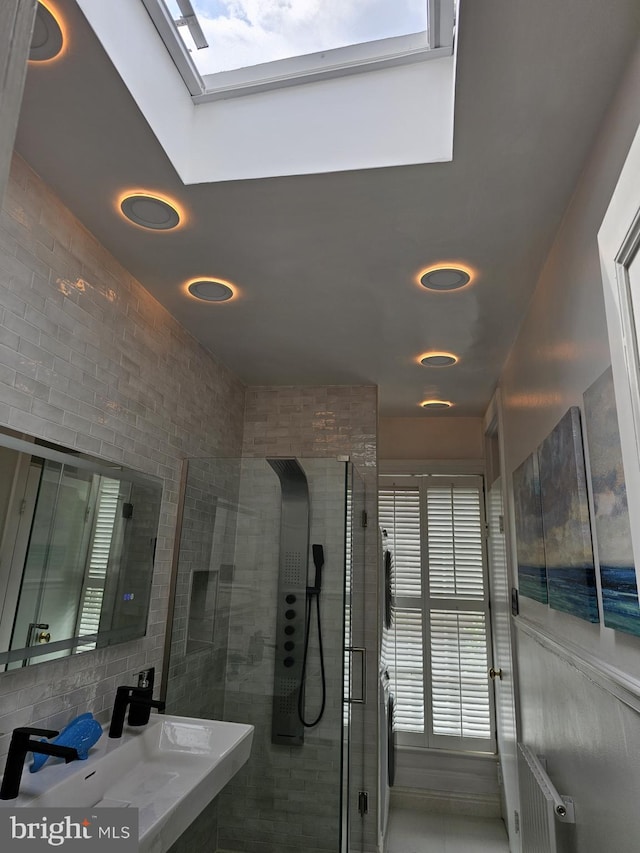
{"points": [[363, 681]]}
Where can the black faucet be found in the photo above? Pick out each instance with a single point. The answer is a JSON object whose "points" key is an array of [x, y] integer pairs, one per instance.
{"points": [[21, 744], [139, 701]]}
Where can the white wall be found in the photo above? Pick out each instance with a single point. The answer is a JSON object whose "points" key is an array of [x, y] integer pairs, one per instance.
{"points": [[430, 438], [570, 709], [563, 344]]}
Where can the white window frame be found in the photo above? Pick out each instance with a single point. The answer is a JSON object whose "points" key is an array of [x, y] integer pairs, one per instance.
{"points": [[427, 739], [437, 41], [619, 245]]}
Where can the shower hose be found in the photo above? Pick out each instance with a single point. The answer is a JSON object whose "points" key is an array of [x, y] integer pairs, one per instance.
{"points": [[312, 592]]}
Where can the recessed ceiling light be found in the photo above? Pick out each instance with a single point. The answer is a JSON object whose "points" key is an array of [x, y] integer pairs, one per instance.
{"points": [[444, 278], [438, 359], [436, 404], [211, 289], [47, 39], [150, 211]]}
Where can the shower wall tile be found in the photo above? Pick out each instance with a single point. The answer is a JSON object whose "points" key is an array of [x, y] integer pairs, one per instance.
{"points": [[330, 421], [90, 360]]}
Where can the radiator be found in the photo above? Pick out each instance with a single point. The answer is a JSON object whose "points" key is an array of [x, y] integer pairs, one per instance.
{"points": [[542, 809]]}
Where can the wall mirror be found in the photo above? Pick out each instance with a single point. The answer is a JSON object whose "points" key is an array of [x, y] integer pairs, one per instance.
{"points": [[77, 544]]}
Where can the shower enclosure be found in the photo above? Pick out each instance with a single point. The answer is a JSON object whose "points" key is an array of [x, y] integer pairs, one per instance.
{"points": [[266, 630]]}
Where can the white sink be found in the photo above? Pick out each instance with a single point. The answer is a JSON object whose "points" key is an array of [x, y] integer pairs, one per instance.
{"points": [[169, 770]]}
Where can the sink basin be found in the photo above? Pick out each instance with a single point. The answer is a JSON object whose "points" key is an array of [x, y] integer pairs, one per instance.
{"points": [[169, 770]]}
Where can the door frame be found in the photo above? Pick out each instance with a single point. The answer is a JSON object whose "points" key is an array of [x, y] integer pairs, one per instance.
{"points": [[504, 657], [619, 245]]}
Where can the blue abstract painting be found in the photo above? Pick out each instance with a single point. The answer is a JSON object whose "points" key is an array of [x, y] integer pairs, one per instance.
{"points": [[571, 574], [532, 570], [620, 606]]}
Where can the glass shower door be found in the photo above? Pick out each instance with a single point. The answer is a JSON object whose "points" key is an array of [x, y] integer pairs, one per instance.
{"points": [[259, 630]]}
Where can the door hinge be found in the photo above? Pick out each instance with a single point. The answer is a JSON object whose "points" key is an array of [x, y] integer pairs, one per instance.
{"points": [[501, 523], [23, 506], [516, 820], [365, 518], [363, 802]]}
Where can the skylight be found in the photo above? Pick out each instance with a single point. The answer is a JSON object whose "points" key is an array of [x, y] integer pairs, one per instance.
{"points": [[225, 48], [305, 115], [243, 33]]}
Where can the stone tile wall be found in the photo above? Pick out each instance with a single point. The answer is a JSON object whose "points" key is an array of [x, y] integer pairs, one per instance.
{"points": [[328, 421], [88, 359]]}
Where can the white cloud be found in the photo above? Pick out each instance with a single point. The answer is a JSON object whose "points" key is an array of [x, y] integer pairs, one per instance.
{"points": [[247, 32]]}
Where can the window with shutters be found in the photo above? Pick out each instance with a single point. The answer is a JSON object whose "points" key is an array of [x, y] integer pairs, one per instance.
{"points": [[98, 562], [438, 646]]}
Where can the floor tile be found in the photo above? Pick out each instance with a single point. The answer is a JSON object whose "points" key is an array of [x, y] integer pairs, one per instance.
{"points": [[413, 831]]}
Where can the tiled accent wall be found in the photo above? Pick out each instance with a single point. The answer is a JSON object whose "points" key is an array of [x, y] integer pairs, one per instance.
{"points": [[323, 420], [328, 421], [89, 360]]}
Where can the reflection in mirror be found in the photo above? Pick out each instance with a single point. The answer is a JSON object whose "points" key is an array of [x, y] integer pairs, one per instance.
{"points": [[77, 542]]}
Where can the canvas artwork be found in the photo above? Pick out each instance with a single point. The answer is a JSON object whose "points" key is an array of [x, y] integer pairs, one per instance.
{"points": [[621, 609], [571, 576], [532, 571]]}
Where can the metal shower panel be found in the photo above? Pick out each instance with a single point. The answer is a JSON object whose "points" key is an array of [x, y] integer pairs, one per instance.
{"points": [[286, 726]]}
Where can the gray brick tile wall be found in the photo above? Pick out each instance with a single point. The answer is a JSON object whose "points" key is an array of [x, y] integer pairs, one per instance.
{"points": [[328, 421], [89, 360]]}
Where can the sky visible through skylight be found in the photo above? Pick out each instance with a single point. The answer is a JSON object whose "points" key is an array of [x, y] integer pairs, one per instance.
{"points": [[242, 33]]}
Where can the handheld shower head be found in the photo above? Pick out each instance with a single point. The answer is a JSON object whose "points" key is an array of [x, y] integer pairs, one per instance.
{"points": [[318, 562]]}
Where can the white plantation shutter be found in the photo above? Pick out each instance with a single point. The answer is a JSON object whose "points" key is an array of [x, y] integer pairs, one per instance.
{"points": [[399, 515], [406, 669], [348, 552], [457, 603], [93, 592], [454, 535], [459, 684], [440, 634]]}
